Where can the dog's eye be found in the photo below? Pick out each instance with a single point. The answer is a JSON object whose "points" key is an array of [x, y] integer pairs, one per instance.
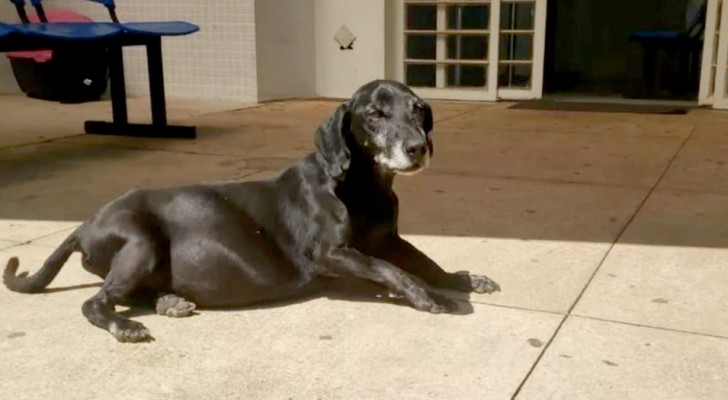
{"points": [[375, 114], [418, 109]]}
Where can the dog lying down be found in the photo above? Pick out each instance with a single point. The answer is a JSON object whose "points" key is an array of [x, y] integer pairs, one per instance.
{"points": [[332, 215]]}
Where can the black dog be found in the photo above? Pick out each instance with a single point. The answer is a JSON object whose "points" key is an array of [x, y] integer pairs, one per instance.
{"points": [[333, 214]]}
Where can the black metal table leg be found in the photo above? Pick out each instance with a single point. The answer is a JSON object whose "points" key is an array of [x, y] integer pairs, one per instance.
{"points": [[156, 82], [120, 125]]}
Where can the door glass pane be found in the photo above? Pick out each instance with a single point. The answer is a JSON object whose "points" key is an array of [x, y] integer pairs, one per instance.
{"points": [[461, 47], [515, 46], [421, 75], [518, 15], [471, 47], [468, 17], [516, 76], [466, 75], [421, 17], [421, 47]]}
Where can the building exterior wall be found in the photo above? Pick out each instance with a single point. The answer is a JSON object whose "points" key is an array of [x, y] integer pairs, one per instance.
{"points": [[285, 49], [340, 72]]}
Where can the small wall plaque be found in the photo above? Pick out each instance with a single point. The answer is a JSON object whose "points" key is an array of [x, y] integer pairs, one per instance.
{"points": [[344, 38]]}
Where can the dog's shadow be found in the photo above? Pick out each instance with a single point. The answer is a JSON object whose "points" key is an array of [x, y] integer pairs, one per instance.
{"points": [[364, 291], [339, 289]]}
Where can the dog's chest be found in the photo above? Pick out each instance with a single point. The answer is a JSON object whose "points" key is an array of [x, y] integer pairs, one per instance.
{"points": [[371, 225]]}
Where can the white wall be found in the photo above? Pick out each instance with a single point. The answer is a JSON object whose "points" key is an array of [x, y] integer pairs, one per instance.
{"points": [[286, 52], [340, 72], [7, 80]]}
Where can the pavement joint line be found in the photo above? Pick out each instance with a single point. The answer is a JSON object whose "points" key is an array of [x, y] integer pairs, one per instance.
{"points": [[691, 191], [511, 307], [44, 141], [50, 234], [601, 262], [660, 328]]}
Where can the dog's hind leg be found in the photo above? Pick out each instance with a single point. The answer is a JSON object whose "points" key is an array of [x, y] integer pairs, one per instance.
{"points": [[133, 262]]}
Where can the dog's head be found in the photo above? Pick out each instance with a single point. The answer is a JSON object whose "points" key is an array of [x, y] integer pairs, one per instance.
{"points": [[385, 122]]}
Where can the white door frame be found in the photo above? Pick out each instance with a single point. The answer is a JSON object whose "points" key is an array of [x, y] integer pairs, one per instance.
{"points": [[539, 50], [715, 56], [491, 92], [720, 95]]}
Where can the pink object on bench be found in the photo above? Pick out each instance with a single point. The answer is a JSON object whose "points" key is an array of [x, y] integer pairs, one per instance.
{"points": [[41, 56]]}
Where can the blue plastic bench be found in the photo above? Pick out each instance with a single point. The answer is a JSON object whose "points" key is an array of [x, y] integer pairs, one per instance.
{"points": [[113, 35]]}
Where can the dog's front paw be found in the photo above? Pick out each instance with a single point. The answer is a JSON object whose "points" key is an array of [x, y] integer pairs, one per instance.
{"points": [[483, 284], [130, 332]]}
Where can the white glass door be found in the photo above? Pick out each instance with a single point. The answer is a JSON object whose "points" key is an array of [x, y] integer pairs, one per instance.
{"points": [[472, 50]]}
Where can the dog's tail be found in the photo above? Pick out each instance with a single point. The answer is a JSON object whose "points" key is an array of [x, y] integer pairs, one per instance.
{"points": [[37, 282]]}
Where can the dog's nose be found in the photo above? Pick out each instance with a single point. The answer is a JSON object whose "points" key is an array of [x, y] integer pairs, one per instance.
{"points": [[416, 148]]}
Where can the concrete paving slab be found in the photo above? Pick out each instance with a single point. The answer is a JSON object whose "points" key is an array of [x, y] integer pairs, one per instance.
{"points": [[601, 360], [526, 235], [701, 166], [321, 348], [633, 161], [4, 244], [678, 281], [69, 182]]}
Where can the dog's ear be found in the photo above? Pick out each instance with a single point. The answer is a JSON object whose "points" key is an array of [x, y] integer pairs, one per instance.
{"points": [[331, 143], [428, 125], [427, 121]]}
